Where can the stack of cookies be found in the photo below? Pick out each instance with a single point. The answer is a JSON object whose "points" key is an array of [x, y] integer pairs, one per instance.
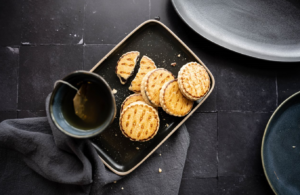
{"points": [[157, 87]]}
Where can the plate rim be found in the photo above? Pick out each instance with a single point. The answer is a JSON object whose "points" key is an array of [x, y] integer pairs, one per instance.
{"points": [[264, 137], [185, 118], [235, 48]]}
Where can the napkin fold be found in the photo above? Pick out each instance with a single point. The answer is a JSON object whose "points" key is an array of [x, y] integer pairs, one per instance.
{"points": [[37, 158]]}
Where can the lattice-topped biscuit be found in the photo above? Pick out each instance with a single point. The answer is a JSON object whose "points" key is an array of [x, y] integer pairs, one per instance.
{"points": [[152, 84], [139, 121], [193, 81], [126, 64], [146, 65], [172, 101], [130, 99]]}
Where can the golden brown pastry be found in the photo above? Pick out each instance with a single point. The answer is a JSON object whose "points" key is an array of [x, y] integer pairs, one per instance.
{"points": [[152, 84], [126, 64], [193, 81], [172, 101], [139, 121], [130, 99], [146, 65]]}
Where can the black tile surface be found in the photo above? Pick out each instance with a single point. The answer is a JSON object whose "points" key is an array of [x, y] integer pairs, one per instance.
{"points": [[7, 115], [210, 103], [52, 22], [164, 10], [168, 15], [201, 160], [257, 185], [8, 78], [40, 67], [10, 22], [288, 83], [191, 186], [110, 21], [31, 114], [94, 53], [245, 88], [240, 136], [225, 132]]}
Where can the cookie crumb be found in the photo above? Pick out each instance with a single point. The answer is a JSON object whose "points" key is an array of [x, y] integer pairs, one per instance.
{"points": [[122, 188], [178, 55], [294, 146], [159, 170], [167, 125], [114, 91], [115, 181], [159, 154], [173, 64], [116, 134], [137, 148]]}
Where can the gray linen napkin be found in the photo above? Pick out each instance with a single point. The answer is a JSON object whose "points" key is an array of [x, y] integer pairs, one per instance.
{"points": [[36, 158]]}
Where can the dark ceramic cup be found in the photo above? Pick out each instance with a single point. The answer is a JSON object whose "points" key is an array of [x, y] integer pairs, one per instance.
{"points": [[61, 106]]}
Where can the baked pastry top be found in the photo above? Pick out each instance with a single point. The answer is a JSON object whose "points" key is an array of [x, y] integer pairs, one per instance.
{"points": [[152, 84], [193, 81], [126, 64], [172, 101], [146, 65], [130, 99], [139, 121]]}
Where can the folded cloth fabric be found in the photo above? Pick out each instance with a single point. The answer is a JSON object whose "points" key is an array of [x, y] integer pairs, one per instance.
{"points": [[37, 158]]}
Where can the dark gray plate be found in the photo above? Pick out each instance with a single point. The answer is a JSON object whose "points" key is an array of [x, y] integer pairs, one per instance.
{"points": [[156, 41], [281, 148], [265, 29]]}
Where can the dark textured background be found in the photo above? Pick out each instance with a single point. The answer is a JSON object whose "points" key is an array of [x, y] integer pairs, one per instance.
{"points": [[42, 41]]}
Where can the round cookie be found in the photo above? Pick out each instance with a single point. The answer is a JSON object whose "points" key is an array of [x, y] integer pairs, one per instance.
{"points": [[172, 101], [139, 121], [193, 81], [130, 99], [152, 84]]}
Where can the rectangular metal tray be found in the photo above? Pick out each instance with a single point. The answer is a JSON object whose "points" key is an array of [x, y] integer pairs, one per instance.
{"points": [[154, 39]]}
